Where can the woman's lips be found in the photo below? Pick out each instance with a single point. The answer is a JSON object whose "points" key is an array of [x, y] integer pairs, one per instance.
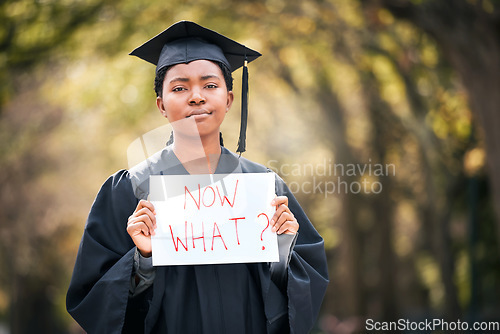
{"points": [[199, 112]]}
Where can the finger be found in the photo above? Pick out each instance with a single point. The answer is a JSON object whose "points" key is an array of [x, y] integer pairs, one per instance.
{"points": [[145, 204], [141, 216], [146, 211], [289, 227], [279, 211], [138, 228], [279, 200], [146, 219], [284, 217]]}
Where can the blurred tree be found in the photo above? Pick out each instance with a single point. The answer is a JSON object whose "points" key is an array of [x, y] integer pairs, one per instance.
{"points": [[342, 82], [468, 34], [386, 95], [34, 31], [33, 227]]}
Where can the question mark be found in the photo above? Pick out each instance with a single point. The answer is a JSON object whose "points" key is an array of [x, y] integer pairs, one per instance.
{"points": [[265, 228]]}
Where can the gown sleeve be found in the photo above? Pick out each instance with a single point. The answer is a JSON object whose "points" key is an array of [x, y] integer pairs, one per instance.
{"points": [[98, 294], [143, 274], [307, 269]]}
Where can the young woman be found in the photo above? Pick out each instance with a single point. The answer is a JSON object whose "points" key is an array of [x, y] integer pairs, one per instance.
{"points": [[115, 288]]}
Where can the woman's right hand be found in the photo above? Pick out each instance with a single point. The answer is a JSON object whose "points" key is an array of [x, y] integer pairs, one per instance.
{"points": [[141, 225]]}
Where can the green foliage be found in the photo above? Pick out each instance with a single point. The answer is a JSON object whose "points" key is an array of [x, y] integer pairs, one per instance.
{"points": [[339, 83]]}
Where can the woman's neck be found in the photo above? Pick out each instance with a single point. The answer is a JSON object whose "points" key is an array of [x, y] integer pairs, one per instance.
{"points": [[198, 155]]}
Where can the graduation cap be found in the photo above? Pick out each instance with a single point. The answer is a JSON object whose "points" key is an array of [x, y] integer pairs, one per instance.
{"points": [[186, 41]]}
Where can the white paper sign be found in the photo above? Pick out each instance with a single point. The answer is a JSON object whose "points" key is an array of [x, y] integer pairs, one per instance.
{"points": [[219, 218]]}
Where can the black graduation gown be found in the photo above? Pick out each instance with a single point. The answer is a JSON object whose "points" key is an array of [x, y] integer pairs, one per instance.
{"points": [[226, 298]]}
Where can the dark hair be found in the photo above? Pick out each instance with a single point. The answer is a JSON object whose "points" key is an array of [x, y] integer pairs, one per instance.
{"points": [[160, 77]]}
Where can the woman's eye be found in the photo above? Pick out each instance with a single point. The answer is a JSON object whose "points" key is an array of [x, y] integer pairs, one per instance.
{"points": [[178, 89], [211, 86]]}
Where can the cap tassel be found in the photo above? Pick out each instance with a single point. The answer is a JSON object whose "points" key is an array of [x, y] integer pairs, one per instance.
{"points": [[244, 110]]}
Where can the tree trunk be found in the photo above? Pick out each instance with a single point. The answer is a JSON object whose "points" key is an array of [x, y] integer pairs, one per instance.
{"points": [[469, 37]]}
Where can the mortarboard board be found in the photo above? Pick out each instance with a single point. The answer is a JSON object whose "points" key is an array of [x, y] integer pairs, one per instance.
{"points": [[187, 41]]}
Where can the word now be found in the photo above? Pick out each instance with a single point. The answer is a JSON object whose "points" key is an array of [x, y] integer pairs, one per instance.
{"points": [[208, 198]]}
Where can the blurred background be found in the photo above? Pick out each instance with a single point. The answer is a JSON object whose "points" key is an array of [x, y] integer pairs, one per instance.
{"points": [[404, 95]]}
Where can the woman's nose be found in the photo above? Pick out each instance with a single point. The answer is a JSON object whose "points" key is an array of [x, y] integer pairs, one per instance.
{"points": [[196, 97]]}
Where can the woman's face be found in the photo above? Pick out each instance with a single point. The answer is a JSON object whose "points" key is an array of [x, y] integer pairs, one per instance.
{"points": [[195, 91]]}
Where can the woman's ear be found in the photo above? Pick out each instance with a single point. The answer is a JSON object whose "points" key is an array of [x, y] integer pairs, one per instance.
{"points": [[230, 99], [161, 106]]}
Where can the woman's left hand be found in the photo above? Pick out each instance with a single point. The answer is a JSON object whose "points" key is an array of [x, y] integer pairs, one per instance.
{"points": [[283, 220]]}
